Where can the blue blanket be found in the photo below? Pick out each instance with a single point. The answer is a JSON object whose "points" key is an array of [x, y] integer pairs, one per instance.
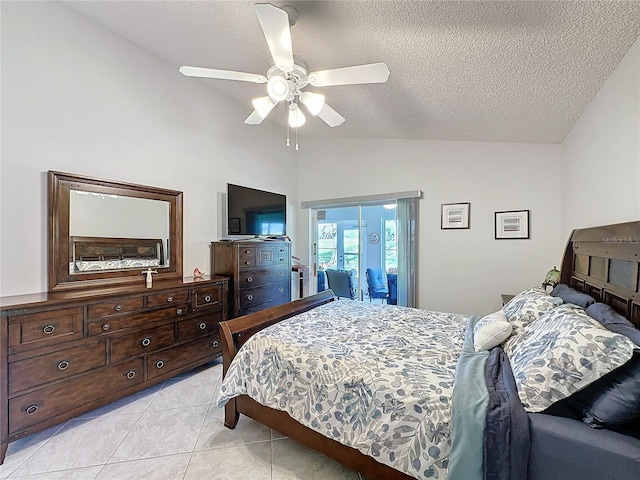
{"points": [[490, 429]]}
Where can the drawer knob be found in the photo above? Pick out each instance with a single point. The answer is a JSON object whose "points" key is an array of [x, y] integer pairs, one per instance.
{"points": [[159, 364], [281, 290], [63, 365], [247, 262], [207, 298], [48, 329], [247, 252], [249, 297], [179, 311], [106, 327], [146, 341], [215, 344], [169, 299], [31, 409], [117, 308], [249, 279], [281, 274], [265, 256], [130, 374], [202, 325]]}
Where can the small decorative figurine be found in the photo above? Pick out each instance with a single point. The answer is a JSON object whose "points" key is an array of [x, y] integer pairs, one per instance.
{"points": [[197, 273], [552, 279], [148, 273]]}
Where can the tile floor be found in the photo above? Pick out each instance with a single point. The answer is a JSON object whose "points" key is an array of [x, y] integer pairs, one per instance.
{"points": [[172, 431]]}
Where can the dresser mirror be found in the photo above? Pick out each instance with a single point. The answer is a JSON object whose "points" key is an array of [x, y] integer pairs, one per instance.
{"points": [[104, 233]]}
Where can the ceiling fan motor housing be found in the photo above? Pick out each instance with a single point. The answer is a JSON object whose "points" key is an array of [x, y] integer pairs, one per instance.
{"points": [[299, 76]]}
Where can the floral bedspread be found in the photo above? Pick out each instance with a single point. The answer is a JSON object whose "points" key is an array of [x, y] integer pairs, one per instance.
{"points": [[376, 379]]}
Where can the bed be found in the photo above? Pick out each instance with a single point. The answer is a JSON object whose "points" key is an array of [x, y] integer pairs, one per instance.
{"points": [[518, 394], [95, 254]]}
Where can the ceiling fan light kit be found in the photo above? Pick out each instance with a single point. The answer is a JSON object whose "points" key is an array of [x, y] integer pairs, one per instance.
{"points": [[296, 117], [287, 75], [263, 106], [279, 88]]}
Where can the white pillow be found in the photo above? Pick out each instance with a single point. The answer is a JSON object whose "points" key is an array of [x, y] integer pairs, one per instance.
{"points": [[491, 331]]}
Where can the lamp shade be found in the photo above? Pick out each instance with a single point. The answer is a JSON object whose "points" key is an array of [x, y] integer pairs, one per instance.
{"points": [[296, 117], [313, 101], [278, 88], [263, 105]]}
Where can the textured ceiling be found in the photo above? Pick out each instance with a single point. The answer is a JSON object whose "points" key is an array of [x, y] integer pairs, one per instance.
{"points": [[507, 71]]}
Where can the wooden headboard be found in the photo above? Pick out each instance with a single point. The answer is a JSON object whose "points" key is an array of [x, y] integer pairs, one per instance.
{"points": [[605, 263], [99, 248]]}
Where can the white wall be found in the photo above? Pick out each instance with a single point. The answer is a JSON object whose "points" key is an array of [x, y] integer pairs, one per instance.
{"points": [[78, 99], [459, 270], [601, 154]]}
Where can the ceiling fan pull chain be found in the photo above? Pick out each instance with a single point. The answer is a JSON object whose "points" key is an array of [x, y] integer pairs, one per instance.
{"points": [[297, 139], [288, 130]]}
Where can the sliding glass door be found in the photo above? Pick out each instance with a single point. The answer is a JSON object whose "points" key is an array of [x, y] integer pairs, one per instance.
{"points": [[358, 238], [369, 232]]}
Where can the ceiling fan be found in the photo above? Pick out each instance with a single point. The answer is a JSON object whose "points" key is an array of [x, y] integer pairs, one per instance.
{"points": [[288, 75]]}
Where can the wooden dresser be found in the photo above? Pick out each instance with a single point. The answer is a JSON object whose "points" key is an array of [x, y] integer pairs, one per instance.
{"points": [[63, 354], [259, 272]]}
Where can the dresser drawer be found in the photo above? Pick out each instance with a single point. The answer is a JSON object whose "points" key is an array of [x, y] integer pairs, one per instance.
{"points": [[118, 322], [198, 327], [38, 406], [263, 294], [261, 306], [247, 257], [168, 298], [177, 357], [206, 298], [141, 342], [266, 256], [258, 278], [36, 330], [116, 306], [32, 372]]}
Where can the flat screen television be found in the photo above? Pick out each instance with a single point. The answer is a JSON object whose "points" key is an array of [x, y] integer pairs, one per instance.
{"points": [[255, 212]]}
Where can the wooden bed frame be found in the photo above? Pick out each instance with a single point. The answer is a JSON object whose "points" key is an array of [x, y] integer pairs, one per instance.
{"points": [[601, 261], [108, 248]]}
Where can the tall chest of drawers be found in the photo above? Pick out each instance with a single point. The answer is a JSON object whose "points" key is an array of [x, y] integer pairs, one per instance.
{"points": [[65, 354], [259, 273]]}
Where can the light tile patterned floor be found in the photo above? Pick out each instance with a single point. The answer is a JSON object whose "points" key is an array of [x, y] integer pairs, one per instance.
{"points": [[172, 431]]}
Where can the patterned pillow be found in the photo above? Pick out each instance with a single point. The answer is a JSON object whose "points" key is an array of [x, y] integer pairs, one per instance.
{"points": [[560, 353], [527, 306], [490, 331]]}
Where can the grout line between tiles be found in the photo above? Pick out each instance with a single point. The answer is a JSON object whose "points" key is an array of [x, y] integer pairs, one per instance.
{"points": [[134, 425], [11, 475]]}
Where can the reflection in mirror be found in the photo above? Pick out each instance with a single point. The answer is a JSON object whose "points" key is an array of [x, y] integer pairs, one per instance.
{"points": [[104, 233], [112, 232]]}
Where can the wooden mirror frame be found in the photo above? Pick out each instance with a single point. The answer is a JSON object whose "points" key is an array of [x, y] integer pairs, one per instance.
{"points": [[60, 186]]}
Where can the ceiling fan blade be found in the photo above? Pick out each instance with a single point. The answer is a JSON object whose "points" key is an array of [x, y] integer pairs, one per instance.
{"points": [[263, 107], [222, 74], [254, 119], [330, 116], [276, 29], [370, 73]]}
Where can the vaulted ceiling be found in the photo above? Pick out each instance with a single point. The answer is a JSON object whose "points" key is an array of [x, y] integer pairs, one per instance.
{"points": [[507, 71]]}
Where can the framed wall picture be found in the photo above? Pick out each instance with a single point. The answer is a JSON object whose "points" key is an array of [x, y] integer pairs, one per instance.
{"points": [[455, 215], [512, 225]]}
